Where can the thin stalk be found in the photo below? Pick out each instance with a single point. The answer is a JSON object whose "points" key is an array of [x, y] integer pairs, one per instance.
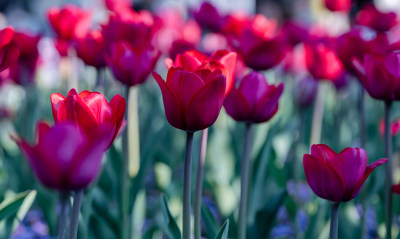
{"points": [[244, 183], [388, 172], [133, 132], [363, 138], [124, 205], [199, 184], [76, 207], [100, 79], [186, 186], [62, 224], [318, 113], [333, 234]]}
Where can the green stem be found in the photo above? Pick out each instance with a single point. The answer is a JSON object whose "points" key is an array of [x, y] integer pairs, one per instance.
{"points": [[244, 183], [186, 186], [199, 184], [363, 138], [76, 207], [334, 221], [388, 172], [100, 80], [62, 225], [124, 205], [318, 113]]}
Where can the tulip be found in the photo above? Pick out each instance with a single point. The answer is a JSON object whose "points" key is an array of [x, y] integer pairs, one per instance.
{"points": [[338, 5], [90, 111], [69, 22], [295, 32], [370, 16], [305, 91], [194, 61], [396, 188], [62, 46], [192, 100], [118, 5], [179, 47], [255, 101], [91, 49], [131, 65], [64, 157], [208, 16], [9, 49]]}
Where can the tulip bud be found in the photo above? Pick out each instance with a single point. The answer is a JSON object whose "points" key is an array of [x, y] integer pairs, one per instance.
{"points": [[9, 48]]}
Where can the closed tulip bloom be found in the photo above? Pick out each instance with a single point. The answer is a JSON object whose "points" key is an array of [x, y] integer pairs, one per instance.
{"points": [[64, 157], [131, 65], [337, 177], [338, 5], [371, 17], [380, 75], [195, 60], [90, 111], [208, 16], [305, 91], [9, 48], [255, 101], [192, 100], [69, 22], [91, 49]]}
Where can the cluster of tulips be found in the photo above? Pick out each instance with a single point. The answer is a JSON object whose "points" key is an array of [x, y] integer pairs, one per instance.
{"points": [[224, 69]]}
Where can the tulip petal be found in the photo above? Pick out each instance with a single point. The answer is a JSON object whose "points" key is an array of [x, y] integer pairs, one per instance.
{"points": [[323, 151], [118, 106], [98, 104], [10, 54], [229, 61], [236, 105], [268, 106], [203, 109], [396, 188], [173, 110], [324, 181], [6, 36], [56, 101], [254, 87]]}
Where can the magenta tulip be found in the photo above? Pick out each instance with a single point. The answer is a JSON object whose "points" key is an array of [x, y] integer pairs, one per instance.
{"points": [[337, 177], [338, 5], [9, 48], [255, 101], [92, 49], [64, 157], [371, 17], [192, 100]]}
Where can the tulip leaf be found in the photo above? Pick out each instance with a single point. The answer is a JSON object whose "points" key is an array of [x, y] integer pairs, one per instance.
{"points": [[171, 229], [223, 232], [18, 205], [209, 221]]}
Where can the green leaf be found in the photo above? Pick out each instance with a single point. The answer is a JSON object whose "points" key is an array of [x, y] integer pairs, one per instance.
{"points": [[18, 205], [171, 228], [223, 232], [209, 221]]}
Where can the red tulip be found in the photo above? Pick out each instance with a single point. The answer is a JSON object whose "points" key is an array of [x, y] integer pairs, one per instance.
{"points": [[64, 158], [338, 5], [322, 61], [192, 100], [62, 46], [195, 60], [9, 49], [370, 16], [208, 16], [258, 43], [337, 177], [90, 111], [380, 75], [69, 22], [131, 65], [91, 49], [255, 101]]}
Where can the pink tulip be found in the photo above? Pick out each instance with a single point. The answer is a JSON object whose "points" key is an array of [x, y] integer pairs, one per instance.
{"points": [[337, 177], [9, 48], [371, 17]]}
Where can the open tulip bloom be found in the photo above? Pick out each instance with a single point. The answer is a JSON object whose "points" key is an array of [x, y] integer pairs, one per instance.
{"points": [[337, 177]]}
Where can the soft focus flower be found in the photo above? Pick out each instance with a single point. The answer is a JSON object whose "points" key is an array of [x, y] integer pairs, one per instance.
{"points": [[118, 5], [394, 128], [192, 100], [295, 32], [305, 91], [62, 46], [255, 101], [380, 75], [91, 49], [208, 16], [257, 41], [195, 60], [64, 157], [321, 60], [371, 17], [396, 188], [179, 47], [69, 22], [337, 177], [9, 49], [131, 65], [338, 5], [90, 111]]}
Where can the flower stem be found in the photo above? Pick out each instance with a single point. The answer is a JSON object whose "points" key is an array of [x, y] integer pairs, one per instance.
{"points": [[199, 184], [186, 186], [124, 205], [244, 183], [363, 138], [318, 114], [76, 207], [100, 80], [388, 171], [333, 234], [62, 225]]}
